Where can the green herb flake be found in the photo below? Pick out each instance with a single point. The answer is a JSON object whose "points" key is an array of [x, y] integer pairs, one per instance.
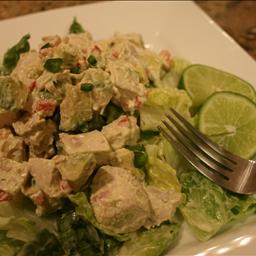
{"points": [[57, 83], [147, 135], [47, 45], [150, 84], [75, 70], [45, 95], [86, 87], [92, 60], [112, 112], [76, 27], [140, 155], [53, 65]]}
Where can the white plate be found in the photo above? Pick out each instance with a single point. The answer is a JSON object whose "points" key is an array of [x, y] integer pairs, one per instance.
{"points": [[176, 25]]}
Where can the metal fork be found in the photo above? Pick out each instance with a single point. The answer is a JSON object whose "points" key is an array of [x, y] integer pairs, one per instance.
{"points": [[219, 165]]}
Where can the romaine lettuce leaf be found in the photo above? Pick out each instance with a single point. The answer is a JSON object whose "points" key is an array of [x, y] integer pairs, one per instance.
{"points": [[159, 101], [159, 172], [208, 208], [151, 242]]}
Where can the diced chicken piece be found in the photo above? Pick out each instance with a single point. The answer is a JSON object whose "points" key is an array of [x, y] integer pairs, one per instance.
{"points": [[153, 64], [123, 158], [81, 41], [104, 158], [47, 177], [11, 146], [164, 203], [37, 134], [76, 168], [98, 49], [13, 176], [129, 91], [119, 200], [13, 94], [166, 58], [134, 38], [29, 68], [122, 132], [45, 186], [54, 40], [7, 118], [102, 87], [72, 48], [53, 82], [75, 109], [32, 191], [43, 102], [90, 142]]}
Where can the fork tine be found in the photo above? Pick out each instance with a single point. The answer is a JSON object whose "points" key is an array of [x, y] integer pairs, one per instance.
{"points": [[215, 177], [207, 160], [228, 155], [206, 149]]}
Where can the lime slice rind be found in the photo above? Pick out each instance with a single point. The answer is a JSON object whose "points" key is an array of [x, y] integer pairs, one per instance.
{"points": [[229, 119], [200, 81]]}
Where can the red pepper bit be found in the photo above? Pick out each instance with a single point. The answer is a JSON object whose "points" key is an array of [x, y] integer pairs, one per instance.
{"points": [[32, 85], [138, 103], [97, 49], [65, 186], [166, 58], [115, 54], [40, 198], [4, 196], [124, 121], [45, 105]]}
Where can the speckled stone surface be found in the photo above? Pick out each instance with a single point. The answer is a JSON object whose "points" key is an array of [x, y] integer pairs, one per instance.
{"points": [[237, 18]]}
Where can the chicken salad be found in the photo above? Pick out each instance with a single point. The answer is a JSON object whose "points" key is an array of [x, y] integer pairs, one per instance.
{"points": [[84, 170]]}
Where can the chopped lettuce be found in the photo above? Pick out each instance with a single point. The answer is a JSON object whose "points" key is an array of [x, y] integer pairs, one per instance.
{"points": [[21, 223], [172, 78], [44, 244], [9, 246], [79, 237], [160, 173], [151, 242], [12, 56], [180, 65], [167, 153], [159, 101], [208, 208], [85, 211]]}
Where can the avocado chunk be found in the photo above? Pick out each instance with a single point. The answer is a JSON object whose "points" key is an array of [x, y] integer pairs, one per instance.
{"points": [[13, 95], [13, 176], [76, 168], [75, 109]]}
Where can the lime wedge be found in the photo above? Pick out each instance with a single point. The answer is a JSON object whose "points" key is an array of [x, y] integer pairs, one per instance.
{"points": [[229, 119], [201, 81]]}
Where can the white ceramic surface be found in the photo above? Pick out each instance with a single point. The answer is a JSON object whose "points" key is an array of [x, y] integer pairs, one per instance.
{"points": [[179, 26]]}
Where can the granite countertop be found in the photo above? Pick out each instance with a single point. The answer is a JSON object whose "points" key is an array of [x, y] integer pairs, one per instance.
{"points": [[237, 18]]}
